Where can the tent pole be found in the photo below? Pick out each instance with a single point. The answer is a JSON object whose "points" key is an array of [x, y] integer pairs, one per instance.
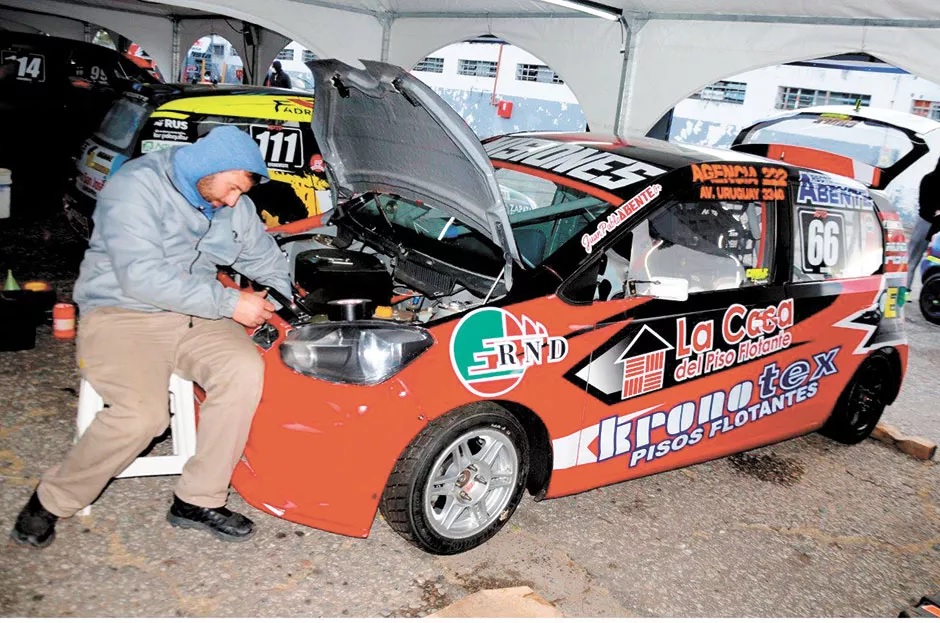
{"points": [[386, 22], [175, 51], [626, 56]]}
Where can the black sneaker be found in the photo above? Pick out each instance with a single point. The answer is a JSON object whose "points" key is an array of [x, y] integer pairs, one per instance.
{"points": [[35, 526], [220, 521]]}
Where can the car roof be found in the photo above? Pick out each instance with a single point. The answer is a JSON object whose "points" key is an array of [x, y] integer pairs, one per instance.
{"points": [[48, 42], [662, 154], [162, 93], [916, 123]]}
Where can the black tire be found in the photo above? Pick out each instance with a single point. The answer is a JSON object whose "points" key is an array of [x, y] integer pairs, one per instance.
{"points": [[930, 299], [862, 402], [467, 497]]}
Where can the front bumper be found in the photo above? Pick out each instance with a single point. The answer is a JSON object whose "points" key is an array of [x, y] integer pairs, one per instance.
{"points": [[320, 454]]}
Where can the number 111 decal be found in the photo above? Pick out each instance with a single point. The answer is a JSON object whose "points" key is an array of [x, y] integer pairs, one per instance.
{"points": [[281, 148]]}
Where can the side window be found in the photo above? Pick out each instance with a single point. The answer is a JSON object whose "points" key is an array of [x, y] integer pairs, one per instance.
{"points": [[120, 126], [96, 69], [837, 234], [715, 245]]}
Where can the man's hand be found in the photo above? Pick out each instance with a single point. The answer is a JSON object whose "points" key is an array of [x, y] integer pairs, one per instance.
{"points": [[252, 308]]}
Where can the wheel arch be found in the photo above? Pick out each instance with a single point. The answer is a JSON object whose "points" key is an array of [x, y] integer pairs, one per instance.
{"points": [[894, 358], [933, 269], [540, 447]]}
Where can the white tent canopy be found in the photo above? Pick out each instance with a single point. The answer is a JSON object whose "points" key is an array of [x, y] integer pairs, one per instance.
{"points": [[625, 74]]}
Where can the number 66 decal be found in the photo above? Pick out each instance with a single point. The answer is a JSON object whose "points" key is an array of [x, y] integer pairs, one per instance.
{"points": [[823, 237]]}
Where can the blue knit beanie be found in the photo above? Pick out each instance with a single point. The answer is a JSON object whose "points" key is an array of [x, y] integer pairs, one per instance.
{"points": [[225, 148]]}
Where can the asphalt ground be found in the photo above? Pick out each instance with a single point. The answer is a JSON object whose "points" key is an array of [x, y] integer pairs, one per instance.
{"points": [[805, 528]]}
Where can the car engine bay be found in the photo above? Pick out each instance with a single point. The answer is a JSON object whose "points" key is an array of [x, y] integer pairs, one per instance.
{"points": [[356, 282]]}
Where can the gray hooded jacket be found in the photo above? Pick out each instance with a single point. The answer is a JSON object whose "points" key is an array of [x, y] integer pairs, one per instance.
{"points": [[153, 250]]}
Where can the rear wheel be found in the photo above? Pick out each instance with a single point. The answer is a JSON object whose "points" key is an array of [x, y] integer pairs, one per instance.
{"points": [[862, 401], [459, 481], [930, 299]]}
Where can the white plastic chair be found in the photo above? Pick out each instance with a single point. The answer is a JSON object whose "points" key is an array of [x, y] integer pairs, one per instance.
{"points": [[182, 429]]}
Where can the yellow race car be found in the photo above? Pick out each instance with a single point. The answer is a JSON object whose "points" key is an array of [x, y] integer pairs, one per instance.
{"points": [[153, 117]]}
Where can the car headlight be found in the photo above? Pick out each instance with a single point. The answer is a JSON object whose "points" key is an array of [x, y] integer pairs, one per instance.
{"points": [[360, 352]]}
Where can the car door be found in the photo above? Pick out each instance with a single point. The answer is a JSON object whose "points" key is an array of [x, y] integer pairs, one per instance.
{"points": [[675, 382], [846, 306]]}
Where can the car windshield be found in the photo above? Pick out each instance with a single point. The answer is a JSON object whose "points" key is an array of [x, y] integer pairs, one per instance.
{"points": [[543, 214], [120, 125], [867, 141], [301, 80]]}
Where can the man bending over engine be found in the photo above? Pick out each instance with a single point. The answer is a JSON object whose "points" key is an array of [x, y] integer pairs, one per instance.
{"points": [[150, 305]]}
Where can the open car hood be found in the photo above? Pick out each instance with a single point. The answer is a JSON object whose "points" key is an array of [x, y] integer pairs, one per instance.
{"points": [[870, 145], [382, 130]]}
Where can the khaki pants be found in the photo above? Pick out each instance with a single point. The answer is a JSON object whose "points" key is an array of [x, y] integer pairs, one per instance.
{"points": [[128, 357]]}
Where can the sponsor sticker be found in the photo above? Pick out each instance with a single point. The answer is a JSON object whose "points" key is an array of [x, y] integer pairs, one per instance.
{"points": [[601, 168], [663, 353], [150, 145], [821, 190], [650, 434], [317, 164], [757, 275], [739, 182], [620, 216], [491, 349]]}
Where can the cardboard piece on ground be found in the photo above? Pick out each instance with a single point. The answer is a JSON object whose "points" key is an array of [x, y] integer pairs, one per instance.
{"points": [[917, 447], [515, 601]]}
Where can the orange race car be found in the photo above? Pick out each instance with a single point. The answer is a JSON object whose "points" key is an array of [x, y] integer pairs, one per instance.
{"points": [[552, 313]]}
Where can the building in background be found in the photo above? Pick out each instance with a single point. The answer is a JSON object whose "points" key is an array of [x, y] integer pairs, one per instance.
{"points": [[495, 86], [498, 88], [213, 54], [714, 115], [294, 58]]}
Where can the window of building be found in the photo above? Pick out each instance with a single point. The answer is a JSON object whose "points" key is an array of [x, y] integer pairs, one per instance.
{"points": [[790, 98], [308, 56], [722, 91], [926, 108], [433, 64], [286, 54], [537, 73], [483, 69]]}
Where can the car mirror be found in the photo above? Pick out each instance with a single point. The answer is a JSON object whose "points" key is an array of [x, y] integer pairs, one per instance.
{"points": [[668, 288]]}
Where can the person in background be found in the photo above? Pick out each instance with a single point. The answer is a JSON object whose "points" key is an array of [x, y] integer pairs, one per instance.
{"points": [[150, 306], [278, 77], [928, 221]]}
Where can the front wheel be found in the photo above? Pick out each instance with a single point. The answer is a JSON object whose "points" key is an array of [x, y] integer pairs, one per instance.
{"points": [[862, 401], [930, 299], [459, 481]]}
